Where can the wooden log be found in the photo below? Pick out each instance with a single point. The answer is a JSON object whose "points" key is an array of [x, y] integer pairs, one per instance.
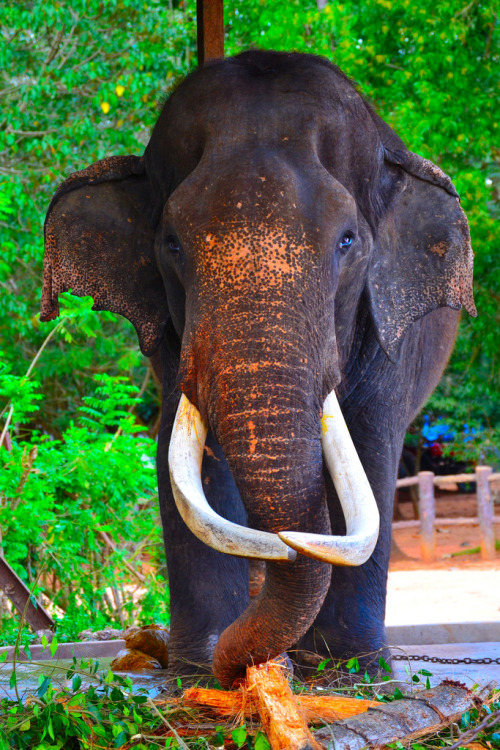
{"points": [[22, 599], [406, 719], [406, 482], [329, 708], [240, 704], [283, 722], [459, 521], [485, 512], [448, 479], [427, 507]]}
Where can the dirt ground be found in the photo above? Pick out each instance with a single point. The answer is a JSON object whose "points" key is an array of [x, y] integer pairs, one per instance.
{"points": [[449, 539]]}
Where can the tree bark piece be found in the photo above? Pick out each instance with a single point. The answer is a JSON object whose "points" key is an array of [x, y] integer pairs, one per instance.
{"points": [[406, 719], [283, 721], [23, 601], [240, 704]]}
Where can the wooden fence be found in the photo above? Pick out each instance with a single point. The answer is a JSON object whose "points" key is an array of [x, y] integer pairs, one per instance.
{"points": [[485, 519]]}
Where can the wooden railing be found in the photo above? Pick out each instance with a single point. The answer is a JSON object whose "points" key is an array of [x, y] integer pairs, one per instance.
{"points": [[485, 519]]}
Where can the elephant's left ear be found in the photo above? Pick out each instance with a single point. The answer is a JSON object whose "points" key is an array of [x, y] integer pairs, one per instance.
{"points": [[98, 242], [422, 257]]}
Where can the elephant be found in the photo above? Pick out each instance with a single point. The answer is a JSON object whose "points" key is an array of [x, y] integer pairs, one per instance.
{"points": [[297, 274]]}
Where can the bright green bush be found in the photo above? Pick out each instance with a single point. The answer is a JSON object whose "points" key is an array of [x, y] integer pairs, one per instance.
{"points": [[82, 508]]}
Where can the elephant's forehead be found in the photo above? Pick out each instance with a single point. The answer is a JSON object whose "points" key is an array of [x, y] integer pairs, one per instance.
{"points": [[263, 256]]}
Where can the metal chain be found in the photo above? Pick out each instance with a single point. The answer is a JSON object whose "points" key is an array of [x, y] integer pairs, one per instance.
{"points": [[437, 660]]}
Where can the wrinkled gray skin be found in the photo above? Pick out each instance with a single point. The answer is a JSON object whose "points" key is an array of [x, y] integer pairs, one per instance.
{"points": [[276, 240]]}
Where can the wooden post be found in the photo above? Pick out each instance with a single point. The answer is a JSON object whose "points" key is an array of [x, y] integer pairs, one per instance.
{"points": [[427, 509], [210, 29], [485, 512]]}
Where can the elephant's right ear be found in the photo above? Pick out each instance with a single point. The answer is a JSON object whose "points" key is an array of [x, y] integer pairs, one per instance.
{"points": [[98, 242]]}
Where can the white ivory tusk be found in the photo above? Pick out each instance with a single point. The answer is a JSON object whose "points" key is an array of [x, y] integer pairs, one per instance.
{"points": [[185, 457], [355, 494]]}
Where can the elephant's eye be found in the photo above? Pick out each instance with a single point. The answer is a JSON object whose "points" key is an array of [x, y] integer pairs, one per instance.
{"points": [[346, 241], [173, 244]]}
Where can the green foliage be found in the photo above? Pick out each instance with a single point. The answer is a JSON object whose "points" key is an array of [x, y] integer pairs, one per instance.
{"points": [[96, 708], [84, 507], [107, 712]]}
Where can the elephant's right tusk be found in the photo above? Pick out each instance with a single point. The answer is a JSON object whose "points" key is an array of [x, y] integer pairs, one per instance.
{"points": [[185, 457]]}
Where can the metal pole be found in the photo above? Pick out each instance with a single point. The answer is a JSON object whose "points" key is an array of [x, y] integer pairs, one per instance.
{"points": [[485, 512], [427, 508], [210, 28]]}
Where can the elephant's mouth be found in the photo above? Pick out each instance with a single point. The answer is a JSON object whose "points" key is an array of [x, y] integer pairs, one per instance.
{"points": [[354, 491]]}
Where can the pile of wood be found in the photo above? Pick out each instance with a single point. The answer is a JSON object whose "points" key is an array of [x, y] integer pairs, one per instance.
{"points": [[352, 724]]}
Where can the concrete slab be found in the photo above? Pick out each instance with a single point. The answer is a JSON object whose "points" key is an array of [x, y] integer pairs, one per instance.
{"points": [[80, 649], [450, 632], [466, 673]]}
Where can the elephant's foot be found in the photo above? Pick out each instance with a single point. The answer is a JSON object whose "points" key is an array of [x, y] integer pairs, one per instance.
{"points": [[189, 658], [327, 655]]}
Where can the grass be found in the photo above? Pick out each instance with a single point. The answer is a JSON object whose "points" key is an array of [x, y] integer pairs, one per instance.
{"points": [[473, 550], [110, 714]]}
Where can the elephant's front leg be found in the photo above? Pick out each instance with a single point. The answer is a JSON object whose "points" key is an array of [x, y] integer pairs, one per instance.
{"points": [[351, 620], [208, 590]]}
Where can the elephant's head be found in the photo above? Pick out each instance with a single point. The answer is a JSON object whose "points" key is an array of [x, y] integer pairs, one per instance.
{"points": [[269, 203]]}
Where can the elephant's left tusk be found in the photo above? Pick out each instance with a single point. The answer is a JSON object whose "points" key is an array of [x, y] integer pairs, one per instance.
{"points": [[355, 495], [185, 457]]}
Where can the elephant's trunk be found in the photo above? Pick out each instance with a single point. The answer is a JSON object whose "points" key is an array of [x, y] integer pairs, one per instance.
{"points": [[273, 447], [287, 605]]}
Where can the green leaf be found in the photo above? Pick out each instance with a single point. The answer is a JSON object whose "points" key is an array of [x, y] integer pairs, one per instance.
{"points": [[24, 727], [120, 739], [53, 645], [383, 664], [261, 742], [353, 665], [109, 677], [239, 735], [43, 686], [76, 682], [322, 665]]}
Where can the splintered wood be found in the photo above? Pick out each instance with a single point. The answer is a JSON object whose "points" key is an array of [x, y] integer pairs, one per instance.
{"points": [[241, 704], [353, 724], [281, 717]]}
